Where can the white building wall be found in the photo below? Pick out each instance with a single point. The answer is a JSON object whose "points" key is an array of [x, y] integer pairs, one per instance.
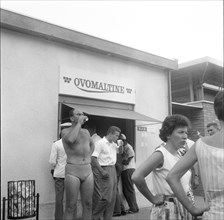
{"points": [[30, 71], [29, 110], [151, 100]]}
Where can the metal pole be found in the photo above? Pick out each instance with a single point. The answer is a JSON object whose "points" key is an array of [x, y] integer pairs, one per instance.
{"points": [[37, 209], [169, 94], [3, 211], [59, 119]]}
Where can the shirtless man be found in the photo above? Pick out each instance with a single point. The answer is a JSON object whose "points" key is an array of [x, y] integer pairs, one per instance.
{"points": [[78, 173]]}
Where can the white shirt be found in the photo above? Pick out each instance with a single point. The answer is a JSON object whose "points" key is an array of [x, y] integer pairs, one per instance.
{"points": [[95, 138], [58, 159], [189, 143], [159, 175], [105, 152]]}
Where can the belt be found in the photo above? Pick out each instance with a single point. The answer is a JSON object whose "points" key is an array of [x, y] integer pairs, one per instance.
{"points": [[59, 178], [168, 198], [108, 166]]}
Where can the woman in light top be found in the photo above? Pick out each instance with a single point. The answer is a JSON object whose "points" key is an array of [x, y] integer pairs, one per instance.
{"points": [[165, 206], [209, 152]]}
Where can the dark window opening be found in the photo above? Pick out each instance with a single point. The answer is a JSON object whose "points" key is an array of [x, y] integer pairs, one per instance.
{"points": [[103, 123]]}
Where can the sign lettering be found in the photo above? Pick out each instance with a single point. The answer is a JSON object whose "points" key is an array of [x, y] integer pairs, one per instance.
{"points": [[91, 85]]}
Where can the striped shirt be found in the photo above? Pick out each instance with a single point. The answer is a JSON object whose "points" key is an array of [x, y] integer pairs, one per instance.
{"points": [[211, 165]]}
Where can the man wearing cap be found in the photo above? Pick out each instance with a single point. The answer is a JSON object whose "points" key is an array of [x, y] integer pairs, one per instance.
{"points": [[128, 170], [58, 161]]}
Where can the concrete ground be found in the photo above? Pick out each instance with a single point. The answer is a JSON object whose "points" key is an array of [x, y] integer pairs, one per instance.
{"points": [[144, 212], [47, 211]]}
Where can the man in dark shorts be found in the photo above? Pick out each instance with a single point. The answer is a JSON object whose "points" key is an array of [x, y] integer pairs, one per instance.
{"points": [[78, 173]]}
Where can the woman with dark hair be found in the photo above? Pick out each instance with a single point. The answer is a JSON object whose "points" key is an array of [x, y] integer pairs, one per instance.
{"points": [[165, 206], [209, 153]]}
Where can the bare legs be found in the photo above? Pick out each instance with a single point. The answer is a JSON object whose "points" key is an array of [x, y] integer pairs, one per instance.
{"points": [[72, 187], [86, 197]]}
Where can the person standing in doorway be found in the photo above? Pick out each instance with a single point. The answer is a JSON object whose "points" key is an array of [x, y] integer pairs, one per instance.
{"points": [[95, 137], [58, 161], [78, 146], [128, 170], [119, 208], [92, 130], [105, 178]]}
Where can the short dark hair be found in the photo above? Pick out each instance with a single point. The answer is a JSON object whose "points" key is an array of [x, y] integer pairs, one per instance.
{"points": [[113, 129], [212, 124], [219, 105], [172, 122]]}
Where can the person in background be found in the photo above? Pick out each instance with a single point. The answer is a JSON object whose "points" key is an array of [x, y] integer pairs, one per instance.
{"points": [[119, 208], [58, 161], [195, 169], [199, 134], [195, 175], [209, 153], [174, 133], [92, 130], [212, 128], [105, 178], [128, 170], [95, 137], [78, 146]]}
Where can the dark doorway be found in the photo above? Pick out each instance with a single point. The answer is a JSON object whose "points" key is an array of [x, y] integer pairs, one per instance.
{"points": [[103, 123]]}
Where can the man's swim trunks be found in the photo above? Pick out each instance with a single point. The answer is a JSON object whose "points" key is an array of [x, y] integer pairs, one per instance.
{"points": [[81, 171]]}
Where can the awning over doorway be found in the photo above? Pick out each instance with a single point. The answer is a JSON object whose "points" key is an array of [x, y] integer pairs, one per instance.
{"points": [[112, 112]]}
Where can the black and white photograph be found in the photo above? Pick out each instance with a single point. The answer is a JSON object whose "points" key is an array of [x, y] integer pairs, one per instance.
{"points": [[112, 110]]}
